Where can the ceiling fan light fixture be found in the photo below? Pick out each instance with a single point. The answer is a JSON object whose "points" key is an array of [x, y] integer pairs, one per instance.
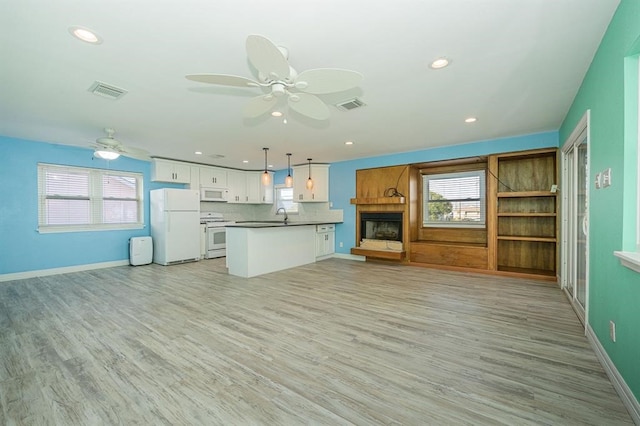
{"points": [[106, 154], [276, 114]]}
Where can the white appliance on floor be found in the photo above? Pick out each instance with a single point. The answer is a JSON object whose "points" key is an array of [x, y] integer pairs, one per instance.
{"points": [[175, 225], [140, 251], [215, 235]]}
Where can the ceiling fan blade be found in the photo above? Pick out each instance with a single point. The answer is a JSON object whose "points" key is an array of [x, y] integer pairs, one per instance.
{"points": [[108, 142], [223, 80], [137, 153], [309, 105], [321, 81], [259, 105], [267, 58]]}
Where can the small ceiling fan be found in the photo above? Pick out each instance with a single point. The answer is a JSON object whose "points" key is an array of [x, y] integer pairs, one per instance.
{"points": [[278, 79], [109, 148]]}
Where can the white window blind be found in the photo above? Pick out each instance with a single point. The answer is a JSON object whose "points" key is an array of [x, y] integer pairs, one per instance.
{"points": [[83, 199], [454, 199], [284, 199]]}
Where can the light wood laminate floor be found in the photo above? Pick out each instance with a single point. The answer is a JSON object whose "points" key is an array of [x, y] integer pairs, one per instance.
{"points": [[335, 342]]}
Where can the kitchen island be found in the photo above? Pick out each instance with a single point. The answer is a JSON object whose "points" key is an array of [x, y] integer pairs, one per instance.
{"points": [[256, 248]]}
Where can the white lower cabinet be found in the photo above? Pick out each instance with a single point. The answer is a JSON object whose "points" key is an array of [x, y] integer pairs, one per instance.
{"points": [[325, 240]]}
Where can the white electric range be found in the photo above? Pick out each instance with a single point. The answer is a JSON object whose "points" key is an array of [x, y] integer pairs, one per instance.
{"points": [[215, 235]]}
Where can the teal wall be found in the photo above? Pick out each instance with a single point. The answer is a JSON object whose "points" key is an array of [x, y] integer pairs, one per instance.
{"points": [[614, 291]]}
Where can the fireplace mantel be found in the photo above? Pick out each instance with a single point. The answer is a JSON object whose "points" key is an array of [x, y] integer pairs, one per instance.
{"points": [[378, 200]]}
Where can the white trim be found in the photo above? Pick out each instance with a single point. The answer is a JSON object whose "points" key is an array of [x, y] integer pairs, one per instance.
{"points": [[624, 392], [579, 133], [629, 259], [347, 256], [63, 270]]}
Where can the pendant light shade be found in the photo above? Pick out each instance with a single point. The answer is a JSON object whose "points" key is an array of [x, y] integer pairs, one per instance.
{"points": [[288, 181], [309, 181], [266, 177]]}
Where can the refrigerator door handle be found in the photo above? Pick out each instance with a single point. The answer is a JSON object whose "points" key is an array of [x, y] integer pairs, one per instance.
{"points": [[168, 223]]}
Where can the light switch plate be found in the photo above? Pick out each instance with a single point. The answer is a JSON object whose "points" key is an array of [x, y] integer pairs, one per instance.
{"points": [[606, 178], [598, 180]]}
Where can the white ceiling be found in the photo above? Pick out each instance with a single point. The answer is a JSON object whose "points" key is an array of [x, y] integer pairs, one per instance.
{"points": [[516, 65]]}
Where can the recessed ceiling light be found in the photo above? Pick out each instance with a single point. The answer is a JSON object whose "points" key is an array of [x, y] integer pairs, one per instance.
{"points": [[348, 143], [85, 34], [198, 153], [440, 63], [276, 114], [245, 161], [470, 120]]}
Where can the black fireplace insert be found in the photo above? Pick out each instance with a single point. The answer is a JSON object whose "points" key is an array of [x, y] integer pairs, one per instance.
{"points": [[381, 226]]}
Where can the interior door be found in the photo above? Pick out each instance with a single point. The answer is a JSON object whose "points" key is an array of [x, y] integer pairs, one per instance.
{"points": [[576, 217]]}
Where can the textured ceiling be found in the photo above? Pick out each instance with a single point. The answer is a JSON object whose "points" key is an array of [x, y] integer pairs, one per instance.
{"points": [[516, 66]]}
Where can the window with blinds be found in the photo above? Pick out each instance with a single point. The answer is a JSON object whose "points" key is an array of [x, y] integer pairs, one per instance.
{"points": [[454, 199], [83, 199], [284, 199]]}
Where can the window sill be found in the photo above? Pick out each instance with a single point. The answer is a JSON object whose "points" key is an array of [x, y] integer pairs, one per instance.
{"points": [[629, 259]]}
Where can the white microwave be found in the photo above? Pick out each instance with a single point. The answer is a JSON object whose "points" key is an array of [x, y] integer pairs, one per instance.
{"points": [[213, 194]]}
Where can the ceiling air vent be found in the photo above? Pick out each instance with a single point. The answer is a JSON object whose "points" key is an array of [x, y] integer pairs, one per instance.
{"points": [[106, 90], [350, 104]]}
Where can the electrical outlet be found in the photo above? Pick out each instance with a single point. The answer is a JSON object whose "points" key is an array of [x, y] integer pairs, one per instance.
{"points": [[598, 180], [612, 331], [606, 178], [341, 245]]}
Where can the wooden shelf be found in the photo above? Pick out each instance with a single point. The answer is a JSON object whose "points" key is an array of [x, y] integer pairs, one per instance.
{"points": [[523, 194], [520, 238], [379, 254], [378, 200], [519, 214]]}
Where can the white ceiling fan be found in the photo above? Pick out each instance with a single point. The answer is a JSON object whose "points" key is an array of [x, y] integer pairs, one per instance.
{"points": [[277, 78], [109, 148]]}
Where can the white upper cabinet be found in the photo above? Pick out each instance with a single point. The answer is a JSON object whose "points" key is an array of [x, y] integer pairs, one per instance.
{"points": [[213, 177], [170, 171], [320, 177], [257, 193], [237, 184]]}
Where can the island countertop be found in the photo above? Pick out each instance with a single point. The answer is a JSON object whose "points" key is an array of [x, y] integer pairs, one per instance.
{"points": [[274, 224]]}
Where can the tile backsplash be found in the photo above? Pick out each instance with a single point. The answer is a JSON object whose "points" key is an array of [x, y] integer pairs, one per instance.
{"points": [[307, 212]]}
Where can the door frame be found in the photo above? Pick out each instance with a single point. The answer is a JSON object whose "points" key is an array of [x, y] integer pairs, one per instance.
{"points": [[572, 142]]}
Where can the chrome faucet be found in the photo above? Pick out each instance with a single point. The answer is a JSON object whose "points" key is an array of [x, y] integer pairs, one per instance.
{"points": [[285, 214]]}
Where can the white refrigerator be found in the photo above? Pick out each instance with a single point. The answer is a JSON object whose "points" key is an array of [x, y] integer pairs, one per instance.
{"points": [[175, 225]]}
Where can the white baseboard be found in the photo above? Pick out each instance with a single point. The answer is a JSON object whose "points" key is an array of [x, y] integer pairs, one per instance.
{"points": [[347, 256], [63, 270], [627, 397]]}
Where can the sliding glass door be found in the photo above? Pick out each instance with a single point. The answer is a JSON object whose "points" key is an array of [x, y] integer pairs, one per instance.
{"points": [[575, 250]]}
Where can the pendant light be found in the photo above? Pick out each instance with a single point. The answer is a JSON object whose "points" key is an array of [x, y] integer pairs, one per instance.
{"points": [[266, 177], [288, 181], [309, 181]]}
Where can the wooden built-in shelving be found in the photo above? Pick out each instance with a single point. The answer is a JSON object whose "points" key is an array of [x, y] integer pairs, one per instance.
{"points": [[378, 200], [526, 213], [379, 254]]}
